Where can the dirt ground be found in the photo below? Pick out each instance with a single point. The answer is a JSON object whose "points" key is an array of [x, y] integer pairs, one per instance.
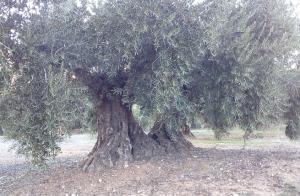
{"points": [[269, 167]]}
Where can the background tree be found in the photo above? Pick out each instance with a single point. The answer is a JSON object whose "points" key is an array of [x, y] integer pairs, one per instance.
{"points": [[239, 83], [292, 112], [291, 82]]}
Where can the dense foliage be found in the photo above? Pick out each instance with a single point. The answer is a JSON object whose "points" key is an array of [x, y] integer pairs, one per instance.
{"points": [[38, 101], [292, 113], [239, 75]]}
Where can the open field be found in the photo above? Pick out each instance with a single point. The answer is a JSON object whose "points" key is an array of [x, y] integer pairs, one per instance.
{"points": [[267, 166]]}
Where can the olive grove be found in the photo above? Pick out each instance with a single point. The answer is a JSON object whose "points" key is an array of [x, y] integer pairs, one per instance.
{"points": [[61, 61]]}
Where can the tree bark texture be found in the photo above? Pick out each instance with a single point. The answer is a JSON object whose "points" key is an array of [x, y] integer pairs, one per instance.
{"points": [[186, 131], [121, 140]]}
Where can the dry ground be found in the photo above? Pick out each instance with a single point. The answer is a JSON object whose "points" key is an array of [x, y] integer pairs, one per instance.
{"points": [[269, 166]]}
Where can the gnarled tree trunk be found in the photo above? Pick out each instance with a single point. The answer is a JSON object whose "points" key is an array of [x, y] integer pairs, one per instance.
{"points": [[186, 131], [120, 139], [171, 141]]}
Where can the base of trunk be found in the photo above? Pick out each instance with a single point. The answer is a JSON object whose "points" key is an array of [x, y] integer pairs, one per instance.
{"points": [[121, 151], [120, 139], [171, 142], [186, 131]]}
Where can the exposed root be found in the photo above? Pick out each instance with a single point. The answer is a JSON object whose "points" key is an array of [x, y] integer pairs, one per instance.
{"points": [[87, 163]]}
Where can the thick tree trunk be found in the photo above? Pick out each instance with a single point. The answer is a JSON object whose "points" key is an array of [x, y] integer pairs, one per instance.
{"points": [[171, 141], [120, 139]]}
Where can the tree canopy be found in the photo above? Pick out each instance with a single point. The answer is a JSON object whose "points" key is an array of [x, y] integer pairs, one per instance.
{"points": [[246, 42]]}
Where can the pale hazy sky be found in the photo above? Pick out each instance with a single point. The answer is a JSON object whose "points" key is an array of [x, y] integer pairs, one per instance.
{"points": [[295, 2]]}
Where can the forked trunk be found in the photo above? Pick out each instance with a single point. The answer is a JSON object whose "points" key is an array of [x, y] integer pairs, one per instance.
{"points": [[120, 139]]}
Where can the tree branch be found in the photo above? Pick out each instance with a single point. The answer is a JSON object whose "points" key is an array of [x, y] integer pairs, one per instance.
{"points": [[97, 83]]}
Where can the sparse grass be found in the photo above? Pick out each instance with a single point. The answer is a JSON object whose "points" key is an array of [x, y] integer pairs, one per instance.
{"points": [[197, 142], [262, 138]]}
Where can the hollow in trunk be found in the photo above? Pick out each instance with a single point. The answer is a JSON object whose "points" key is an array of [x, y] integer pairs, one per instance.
{"points": [[120, 139]]}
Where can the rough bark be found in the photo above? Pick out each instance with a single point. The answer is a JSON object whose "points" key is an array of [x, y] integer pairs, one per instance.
{"points": [[120, 139], [193, 124], [171, 141], [186, 131]]}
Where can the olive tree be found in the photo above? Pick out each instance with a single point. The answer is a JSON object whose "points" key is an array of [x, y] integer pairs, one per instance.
{"points": [[239, 82], [123, 53], [173, 59]]}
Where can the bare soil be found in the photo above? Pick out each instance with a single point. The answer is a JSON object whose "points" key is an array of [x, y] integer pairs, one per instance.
{"points": [[207, 170]]}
